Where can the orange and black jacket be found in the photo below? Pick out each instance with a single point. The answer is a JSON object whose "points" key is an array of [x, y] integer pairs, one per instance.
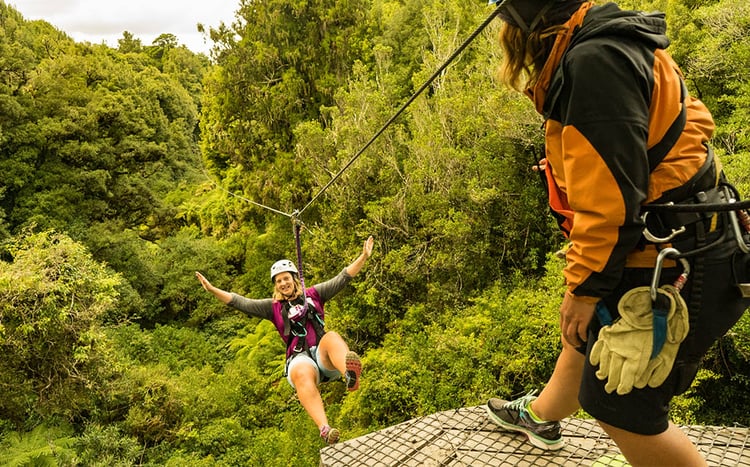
{"points": [[609, 92]]}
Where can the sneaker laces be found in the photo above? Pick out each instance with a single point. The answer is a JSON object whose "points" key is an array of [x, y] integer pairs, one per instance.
{"points": [[521, 403]]}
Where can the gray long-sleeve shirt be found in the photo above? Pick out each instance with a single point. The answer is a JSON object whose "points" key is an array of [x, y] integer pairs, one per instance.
{"points": [[263, 308]]}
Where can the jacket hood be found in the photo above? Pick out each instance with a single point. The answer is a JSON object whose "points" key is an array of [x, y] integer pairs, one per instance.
{"points": [[610, 20], [606, 20]]}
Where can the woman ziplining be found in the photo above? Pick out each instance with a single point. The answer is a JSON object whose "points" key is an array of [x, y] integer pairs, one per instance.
{"points": [[313, 355]]}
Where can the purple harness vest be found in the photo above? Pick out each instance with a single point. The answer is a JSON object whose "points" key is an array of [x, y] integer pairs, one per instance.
{"points": [[278, 321]]}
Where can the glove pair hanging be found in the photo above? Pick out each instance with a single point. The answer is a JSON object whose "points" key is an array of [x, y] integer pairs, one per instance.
{"points": [[626, 352]]}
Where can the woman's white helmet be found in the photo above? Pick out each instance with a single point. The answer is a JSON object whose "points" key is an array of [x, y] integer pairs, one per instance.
{"points": [[283, 265]]}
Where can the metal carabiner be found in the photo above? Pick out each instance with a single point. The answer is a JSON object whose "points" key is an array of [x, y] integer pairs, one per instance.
{"points": [[654, 239], [735, 223], [679, 282]]}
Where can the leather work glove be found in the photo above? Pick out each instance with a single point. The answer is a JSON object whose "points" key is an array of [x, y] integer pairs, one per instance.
{"points": [[623, 349], [678, 325]]}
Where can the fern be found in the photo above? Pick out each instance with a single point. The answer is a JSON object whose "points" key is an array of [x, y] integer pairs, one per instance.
{"points": [[41, 447]]}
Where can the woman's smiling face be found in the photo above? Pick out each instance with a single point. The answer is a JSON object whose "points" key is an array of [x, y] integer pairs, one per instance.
{"points": [[284, 282]]}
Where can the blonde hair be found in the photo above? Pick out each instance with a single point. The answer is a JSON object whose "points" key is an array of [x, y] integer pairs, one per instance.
{"points": [[525, 56], [297, 290]]}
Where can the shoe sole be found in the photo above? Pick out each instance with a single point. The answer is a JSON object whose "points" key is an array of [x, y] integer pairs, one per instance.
{"points": [[333, 436], [533, 438], [353, 365]]}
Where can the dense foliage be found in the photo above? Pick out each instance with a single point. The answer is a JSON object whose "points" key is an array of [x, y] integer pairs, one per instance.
{"points": [[126, 169]]}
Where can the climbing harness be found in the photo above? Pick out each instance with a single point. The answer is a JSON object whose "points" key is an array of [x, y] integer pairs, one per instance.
{"points": [[720, 200], [704, 212], [297, 315]]}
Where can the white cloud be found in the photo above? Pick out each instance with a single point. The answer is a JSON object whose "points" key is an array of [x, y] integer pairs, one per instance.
{"points": [[104, 21]]}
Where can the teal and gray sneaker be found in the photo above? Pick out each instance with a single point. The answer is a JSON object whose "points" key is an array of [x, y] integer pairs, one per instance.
{"points": [[514, 416]]}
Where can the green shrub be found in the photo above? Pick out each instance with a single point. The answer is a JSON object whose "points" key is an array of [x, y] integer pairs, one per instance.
{"points": [[52, 298]]}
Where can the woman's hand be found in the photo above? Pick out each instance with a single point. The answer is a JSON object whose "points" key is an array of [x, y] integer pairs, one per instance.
{"points": [[354, 268], [222, 295], [575, 315], [367, 248], [204, 282], [540, 166]]}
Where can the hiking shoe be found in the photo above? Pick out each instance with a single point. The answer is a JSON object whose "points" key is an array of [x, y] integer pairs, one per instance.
{"points": [[329, 435], [514, 416], [353, 370]]}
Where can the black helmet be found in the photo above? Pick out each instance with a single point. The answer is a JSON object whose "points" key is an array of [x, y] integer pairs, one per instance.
{"points": [[527, 15]]}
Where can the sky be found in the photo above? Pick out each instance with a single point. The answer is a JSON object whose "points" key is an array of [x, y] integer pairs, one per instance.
{"points": [[103, 21]]}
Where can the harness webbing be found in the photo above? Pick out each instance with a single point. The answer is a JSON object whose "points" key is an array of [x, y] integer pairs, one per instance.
{"points": [[317, 322], [703, 207], [298, 243]]}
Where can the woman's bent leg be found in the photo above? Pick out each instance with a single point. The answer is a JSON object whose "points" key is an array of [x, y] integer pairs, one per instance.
{"points": [[332, 350], [670, 448], [559, 398]]}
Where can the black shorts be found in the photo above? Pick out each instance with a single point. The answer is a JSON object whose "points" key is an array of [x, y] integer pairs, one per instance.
{"points": [[714, 305]]}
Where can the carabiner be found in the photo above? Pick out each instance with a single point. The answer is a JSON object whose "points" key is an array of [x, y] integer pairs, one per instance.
{"points": [[735, 223], [654, 239], [679, 282]]}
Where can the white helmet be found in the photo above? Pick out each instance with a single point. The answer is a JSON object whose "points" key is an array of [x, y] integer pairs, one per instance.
{"points": [[283, 265]]}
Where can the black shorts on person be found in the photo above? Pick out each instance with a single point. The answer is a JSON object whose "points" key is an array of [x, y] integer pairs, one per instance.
{"points": [[712, 313]]}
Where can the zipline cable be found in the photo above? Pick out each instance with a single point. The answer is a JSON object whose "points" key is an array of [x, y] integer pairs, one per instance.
{"points": [[297, 223], [245, 199], [385, 126], [408, 102], [295, 217]]}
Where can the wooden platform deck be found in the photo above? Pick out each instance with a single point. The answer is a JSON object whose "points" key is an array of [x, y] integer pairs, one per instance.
{"points": [[464, 437]]}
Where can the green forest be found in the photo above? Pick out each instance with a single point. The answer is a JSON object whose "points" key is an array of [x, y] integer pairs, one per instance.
{"points": [[124, 170]]}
